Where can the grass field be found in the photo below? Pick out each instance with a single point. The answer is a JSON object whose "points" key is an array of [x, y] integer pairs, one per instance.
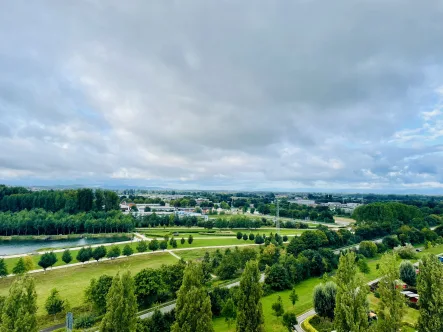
{"points": [[194, 231], [72, 282], [272, 323], [10, 262]]}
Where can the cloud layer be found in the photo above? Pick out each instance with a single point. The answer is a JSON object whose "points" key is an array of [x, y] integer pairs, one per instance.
{"points": [[223, 94]]}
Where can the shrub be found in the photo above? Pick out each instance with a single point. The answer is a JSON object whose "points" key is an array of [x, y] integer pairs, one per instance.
{"points": [[406, 252], [368, 249], [407, 273], [84, 321], [239, 235]]}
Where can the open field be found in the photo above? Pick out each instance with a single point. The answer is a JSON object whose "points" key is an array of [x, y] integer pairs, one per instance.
{"points": [[220, 241], [195, 231], [344, 219], [72, 282]]}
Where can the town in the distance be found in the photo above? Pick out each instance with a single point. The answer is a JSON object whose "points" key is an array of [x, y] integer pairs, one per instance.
{"points": [[93, 259]]}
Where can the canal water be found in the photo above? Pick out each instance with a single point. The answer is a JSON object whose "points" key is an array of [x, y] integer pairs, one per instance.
{"points": [[29, 246]]}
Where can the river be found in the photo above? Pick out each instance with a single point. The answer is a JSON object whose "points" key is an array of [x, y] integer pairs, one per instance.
{"points": [[28, 246]]}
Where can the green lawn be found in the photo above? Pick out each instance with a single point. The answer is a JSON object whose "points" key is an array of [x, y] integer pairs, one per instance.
{"points": [[71, 282], [410, 316], [10, 262], [272, 323]]}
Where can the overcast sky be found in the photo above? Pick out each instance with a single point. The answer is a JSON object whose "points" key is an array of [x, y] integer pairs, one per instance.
{"points": [[234, 94]]}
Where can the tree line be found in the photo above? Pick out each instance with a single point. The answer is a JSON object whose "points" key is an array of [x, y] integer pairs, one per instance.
{"points": [[71, 201], [42, 222]]}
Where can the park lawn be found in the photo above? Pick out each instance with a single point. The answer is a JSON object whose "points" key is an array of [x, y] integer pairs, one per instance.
{"points": [[273, 324], [221, 241], [196, 254], [11, 262], [436, 250], [344, 219], [72, 282]]}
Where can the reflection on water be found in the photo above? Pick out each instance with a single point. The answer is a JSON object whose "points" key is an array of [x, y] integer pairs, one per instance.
{"points": [[23, 247]]}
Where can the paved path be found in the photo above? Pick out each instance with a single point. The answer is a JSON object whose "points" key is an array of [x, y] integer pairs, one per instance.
{"points": [[302, 318], [173, 254]]}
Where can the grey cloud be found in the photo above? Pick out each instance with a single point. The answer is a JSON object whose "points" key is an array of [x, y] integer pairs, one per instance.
{"points": [[300, 93]]}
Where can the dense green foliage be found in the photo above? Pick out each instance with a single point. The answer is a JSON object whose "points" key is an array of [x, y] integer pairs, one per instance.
{"points": [[193, 306], [19, 308], [54, 303], [97, 292], [249, 306], [407, 273], [38, 222], [121, 306], [350, 302], [324, 299], [392, 302], [430, 289], [16, 199]]}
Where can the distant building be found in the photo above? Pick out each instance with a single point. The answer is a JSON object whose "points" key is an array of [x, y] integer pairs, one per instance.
{"points": [[308, 202]]}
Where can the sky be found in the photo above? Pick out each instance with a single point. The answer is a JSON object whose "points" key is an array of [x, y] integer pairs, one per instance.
{"points": [[198, 94]]}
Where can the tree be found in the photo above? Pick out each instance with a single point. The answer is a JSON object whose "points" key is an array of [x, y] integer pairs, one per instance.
{"points": [[113, 252], [20, 267], [153, 245], [84, 255], [228, 267], [47, 259], [285, 238], [149, 286], [277, 307], [407, 273], [99, 252], [67, 257], [324, 299], [239, 235], [294, 297], [3, 269], [249, 306], [363, 266], [97, 291], [193, 306], [29, 263], [368, 249], [20, 307], [54, 304], [127, 250], [174, 243], [289, 320], [229, 312], [430, 289], [277, 278], [190, 239], [182, 241], [251, 237], [350, 302], [245, 236], [121, 306], [163, 245], [142, 246], [392, 301]]}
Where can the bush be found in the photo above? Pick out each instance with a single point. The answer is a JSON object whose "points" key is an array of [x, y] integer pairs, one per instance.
{"points": [[407, 273], [321, 324], [239, 235], [363, 266], [84, 321], [289, 320], [368, 249], [406, 252], [390, 241]]}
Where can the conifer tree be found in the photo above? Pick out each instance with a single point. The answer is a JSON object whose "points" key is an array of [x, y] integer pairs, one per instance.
{"points": [[3, 268], [392, 302], [193, 306], [20, 267], [54, 304], [121, 306], [229, 312], [350, 302], [249, 307], [430, 289], [18, 314]]}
